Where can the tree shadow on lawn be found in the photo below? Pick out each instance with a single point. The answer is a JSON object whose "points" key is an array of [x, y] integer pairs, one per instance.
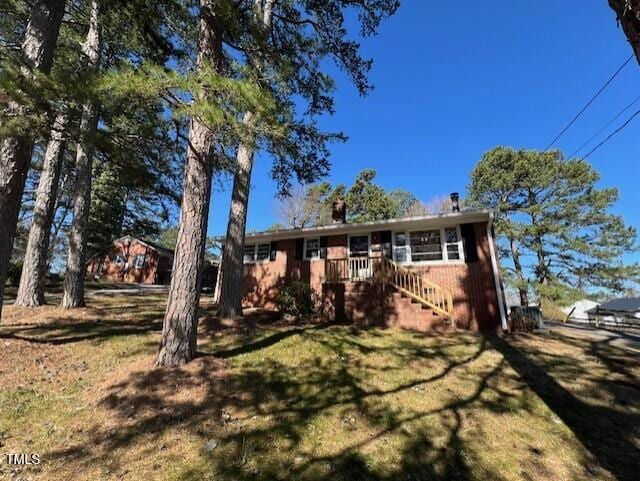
{"points": [[74, 326], [603, 411], [122, 316], [326, 404]]}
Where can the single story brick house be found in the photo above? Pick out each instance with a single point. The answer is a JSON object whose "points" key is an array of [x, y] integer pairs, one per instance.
{"points": [[130, 260], [422, 273]]}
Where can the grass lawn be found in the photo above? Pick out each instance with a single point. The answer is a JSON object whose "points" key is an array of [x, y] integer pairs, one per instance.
{"points": [[270, 401]]}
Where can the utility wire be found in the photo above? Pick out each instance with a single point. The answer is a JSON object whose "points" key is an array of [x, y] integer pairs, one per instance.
{"points": [[597, 94], [612, 134], [619, 114]]}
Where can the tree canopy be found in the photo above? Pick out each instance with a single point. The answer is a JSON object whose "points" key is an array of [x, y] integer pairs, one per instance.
{"points": [[555, 221], [366, 201]]}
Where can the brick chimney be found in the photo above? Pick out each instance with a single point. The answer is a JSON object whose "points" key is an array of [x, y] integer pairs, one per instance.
{"points": [[339, 212]]}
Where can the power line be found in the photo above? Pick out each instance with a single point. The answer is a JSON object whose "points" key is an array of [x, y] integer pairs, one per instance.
{"points": [[604, 128], [612, 134], [597, 94]]}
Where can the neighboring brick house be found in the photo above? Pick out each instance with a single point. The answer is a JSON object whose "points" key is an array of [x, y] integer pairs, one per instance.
{"points": [[425, 272], [132, 260]]}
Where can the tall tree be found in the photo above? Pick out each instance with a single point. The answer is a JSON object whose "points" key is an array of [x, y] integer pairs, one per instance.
{"points": [[552, 213], [133, 128], [179, 336], [38, 46], [74, 274], [367, 201], [230, 277], [34, 268], [305, 206], [132, 132], [294, 44], [311, 205]]}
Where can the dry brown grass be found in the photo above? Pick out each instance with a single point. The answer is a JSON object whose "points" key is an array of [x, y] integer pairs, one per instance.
{"points": [[308, 402]]}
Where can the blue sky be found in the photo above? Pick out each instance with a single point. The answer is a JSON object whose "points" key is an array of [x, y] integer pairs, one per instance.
{"points": [[454, 79]]}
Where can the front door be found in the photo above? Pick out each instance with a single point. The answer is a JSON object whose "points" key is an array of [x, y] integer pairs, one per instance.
{"points": [[359, 263]]}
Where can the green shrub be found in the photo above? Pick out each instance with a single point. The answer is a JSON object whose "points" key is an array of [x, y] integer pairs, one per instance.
{"points": [[296, 299], [13, 273]]}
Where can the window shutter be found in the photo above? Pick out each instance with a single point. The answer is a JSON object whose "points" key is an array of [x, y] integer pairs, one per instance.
{"points": [[299, 249], [273, 251], [469, 240], [324, 242]]}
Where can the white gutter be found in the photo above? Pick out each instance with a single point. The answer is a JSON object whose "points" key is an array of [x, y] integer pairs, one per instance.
{"points": [[496, 273], [423, 221]]}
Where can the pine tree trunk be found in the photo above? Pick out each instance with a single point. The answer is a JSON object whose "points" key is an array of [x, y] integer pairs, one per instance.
{"points": [[233, 253], [541, 267], [181, 317], [232, 269], [542, 270], [75, 272], [38, 46], [517, 266], [34, 269], [179, 331]]}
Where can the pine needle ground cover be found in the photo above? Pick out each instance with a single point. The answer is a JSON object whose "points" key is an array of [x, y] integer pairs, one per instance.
{"points": [[268, 401]]}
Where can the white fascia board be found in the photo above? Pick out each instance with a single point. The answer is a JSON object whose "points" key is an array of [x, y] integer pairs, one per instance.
{"points": [[405, 223]]}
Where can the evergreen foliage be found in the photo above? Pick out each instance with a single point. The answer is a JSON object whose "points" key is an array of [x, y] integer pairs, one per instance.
{"points": [[366, 201], [559, 220]]}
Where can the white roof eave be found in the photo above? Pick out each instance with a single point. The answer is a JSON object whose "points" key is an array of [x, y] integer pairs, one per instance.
{"points": [[405, 223]]}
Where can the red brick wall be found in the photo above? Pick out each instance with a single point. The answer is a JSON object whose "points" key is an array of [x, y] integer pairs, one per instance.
{"points": [[367, 304], [116, 273], [472, 285]]}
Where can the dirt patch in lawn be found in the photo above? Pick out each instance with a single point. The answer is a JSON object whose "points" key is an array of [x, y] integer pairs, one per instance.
{"points": [[267, 400]]}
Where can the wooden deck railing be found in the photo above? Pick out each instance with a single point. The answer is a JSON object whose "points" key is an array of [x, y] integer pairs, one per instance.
{"points": [[352, 269], [415, 285], [386, 271]]}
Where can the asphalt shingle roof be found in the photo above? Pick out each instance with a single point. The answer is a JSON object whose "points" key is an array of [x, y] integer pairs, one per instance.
{"points": [[628, 304]]}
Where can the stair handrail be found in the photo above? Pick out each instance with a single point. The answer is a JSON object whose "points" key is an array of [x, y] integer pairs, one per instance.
{"points": [[418, 287]]}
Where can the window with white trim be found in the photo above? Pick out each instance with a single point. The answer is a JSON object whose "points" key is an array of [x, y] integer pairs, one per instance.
{"points": [[138, 262], [312, 249], [119, 260], [262, 252], [429, 245], [452, 243], [425, 245], [256, 252], [400, 247], [249, 253]]}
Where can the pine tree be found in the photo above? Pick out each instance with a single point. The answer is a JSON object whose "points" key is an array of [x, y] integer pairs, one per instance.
{"points": [[74, 274], [231, 269], [367, 201], [551, 210], [31, 289], [132, 133], [305, 154], [178, 343], [312, 205], [37, 51]]}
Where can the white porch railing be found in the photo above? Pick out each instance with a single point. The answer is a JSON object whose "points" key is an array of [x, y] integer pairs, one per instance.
{"points": [[383, 270]]}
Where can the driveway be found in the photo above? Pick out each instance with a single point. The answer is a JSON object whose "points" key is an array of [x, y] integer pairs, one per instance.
{"points": [[621, 339], [130, 289]]}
